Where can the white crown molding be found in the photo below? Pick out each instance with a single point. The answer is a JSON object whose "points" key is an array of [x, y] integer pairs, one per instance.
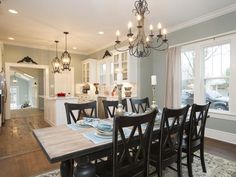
{"points": [[42, 47], [203, 18]]}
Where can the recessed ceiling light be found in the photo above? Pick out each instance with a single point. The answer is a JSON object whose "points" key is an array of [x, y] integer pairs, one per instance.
{"points": [[12, 11], [74, 48], [101, 32], [11, 38]]}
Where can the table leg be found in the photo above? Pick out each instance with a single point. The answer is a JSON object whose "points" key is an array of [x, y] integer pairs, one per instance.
{"points": [[84, 168], [66, 168]]}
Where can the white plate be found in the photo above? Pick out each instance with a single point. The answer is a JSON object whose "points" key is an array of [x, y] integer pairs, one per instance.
{"points": [[81, 123], [102, 136]]}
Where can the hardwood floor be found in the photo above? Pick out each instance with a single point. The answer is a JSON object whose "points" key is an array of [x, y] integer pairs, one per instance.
{"points": [[21, 156]]}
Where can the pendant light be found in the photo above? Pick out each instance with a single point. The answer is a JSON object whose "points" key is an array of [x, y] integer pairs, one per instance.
{"points": [[56, 62], [65, 58]]}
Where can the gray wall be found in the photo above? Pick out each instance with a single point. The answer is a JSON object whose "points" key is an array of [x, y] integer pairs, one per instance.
{"points": [[14, 53], [212, 27]]}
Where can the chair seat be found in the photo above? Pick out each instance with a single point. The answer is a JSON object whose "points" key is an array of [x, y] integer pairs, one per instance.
{"points": [[195, 145], [168, 156]]}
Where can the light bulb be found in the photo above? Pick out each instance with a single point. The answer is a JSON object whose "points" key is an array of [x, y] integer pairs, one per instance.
{"points": [[147, 39], [159, 26], [130, 25], [164, 31], [151, 27], [131, 39], [117, 33], [139, 17]]}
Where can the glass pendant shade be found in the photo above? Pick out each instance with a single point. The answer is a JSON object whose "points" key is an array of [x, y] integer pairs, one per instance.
{"points": [[65, 58], [56, 63]]}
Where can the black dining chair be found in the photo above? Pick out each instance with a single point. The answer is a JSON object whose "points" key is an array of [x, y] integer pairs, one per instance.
{"points": [[84, 109], [110, 107], [129, 132], [139, 105], [167, 150], [195, 132]]}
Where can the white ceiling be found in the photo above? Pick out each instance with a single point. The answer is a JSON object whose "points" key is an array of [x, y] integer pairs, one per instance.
{"points": [[40, 22]]}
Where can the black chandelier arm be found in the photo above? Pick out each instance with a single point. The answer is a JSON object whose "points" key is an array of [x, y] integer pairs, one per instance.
{"points": [[120, 50], [160, 49]]}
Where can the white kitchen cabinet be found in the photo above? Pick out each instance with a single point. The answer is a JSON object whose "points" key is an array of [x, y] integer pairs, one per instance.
{"points": [[123, 62], [64, 82], [54, 109], [105, 71], [89, 71]]}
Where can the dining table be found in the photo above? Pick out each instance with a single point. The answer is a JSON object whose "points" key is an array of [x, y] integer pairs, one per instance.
{"points": [[66, 143]]}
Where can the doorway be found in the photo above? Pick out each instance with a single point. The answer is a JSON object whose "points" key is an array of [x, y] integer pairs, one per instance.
{"points": [[25, 83]]}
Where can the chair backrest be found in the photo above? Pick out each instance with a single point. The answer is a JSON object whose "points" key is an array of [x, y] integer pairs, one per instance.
{"points": [[198, 117], [83, 109], [131, 148], [111, 106], [171, 131], [139, 105]]}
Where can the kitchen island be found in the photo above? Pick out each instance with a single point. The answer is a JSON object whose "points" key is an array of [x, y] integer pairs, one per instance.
{"points": [[54, 109]]}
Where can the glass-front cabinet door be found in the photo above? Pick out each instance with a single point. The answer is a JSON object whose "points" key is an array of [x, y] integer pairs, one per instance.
{"points": [[120, 64]]}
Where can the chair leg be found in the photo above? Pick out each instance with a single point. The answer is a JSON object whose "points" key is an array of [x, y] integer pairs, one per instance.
{"points": [[179, 167], [189, 164], [202, 159]]}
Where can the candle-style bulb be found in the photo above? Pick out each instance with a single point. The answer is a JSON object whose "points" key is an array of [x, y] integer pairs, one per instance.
{"points": [[159, 26], [130, 25], [117, 33], [164, 31], [151, 27], [139, 17], [147, 39], [131, 39]]}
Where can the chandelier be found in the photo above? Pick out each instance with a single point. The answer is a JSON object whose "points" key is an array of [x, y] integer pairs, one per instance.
{"points": [[56, 62], [140, 45], [65, 58]]}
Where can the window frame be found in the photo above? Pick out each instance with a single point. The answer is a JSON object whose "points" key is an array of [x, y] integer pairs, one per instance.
{"points": [[199, 74]]}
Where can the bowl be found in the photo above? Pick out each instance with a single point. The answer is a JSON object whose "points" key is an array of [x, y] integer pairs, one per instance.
{"points": [[128, 88]]}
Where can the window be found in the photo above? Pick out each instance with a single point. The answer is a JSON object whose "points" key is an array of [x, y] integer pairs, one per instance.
{"points": [[217, 72], [207, 70]]}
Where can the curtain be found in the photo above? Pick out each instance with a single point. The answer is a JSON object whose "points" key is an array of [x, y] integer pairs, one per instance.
{"points": [[173, 78]]}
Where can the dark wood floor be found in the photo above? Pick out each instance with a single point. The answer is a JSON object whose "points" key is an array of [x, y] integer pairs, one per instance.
{"points": [[21, 156]]}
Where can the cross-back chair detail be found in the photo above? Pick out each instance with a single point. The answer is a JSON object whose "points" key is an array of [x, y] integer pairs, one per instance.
{"points": [[168, 149], [195, 135], [139, 105], [84, 109], [128, 160], [111, 106]]}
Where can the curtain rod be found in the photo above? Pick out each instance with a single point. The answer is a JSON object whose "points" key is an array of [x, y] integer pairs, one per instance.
{"points": [[204, 39]]}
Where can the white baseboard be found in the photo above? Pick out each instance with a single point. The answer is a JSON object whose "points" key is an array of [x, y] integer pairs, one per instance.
{"points": [[220, 135]]}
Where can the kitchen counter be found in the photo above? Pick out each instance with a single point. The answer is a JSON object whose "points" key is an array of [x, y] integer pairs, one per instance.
{"points": [[58, 98], [54, 109]]}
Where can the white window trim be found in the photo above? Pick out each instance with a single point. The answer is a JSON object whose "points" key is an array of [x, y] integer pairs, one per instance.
{"points": [[199, 74]]}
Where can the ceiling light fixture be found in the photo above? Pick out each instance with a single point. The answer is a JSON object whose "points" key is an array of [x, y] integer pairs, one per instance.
{"points": [[12, 11], [11, 38], [56, 62], [74, 48], [65, 58], [141, 44]]}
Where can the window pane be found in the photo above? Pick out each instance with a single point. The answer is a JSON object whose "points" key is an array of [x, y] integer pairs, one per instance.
{"points": [[217, 72], [187, 67], [217, 92]]}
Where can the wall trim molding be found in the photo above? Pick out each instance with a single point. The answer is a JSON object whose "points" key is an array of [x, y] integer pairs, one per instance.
{"points": [[220, 135], [203, 18]]}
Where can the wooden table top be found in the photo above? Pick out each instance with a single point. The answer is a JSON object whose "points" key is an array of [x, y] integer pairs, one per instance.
{"points": [[62, 143]]}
